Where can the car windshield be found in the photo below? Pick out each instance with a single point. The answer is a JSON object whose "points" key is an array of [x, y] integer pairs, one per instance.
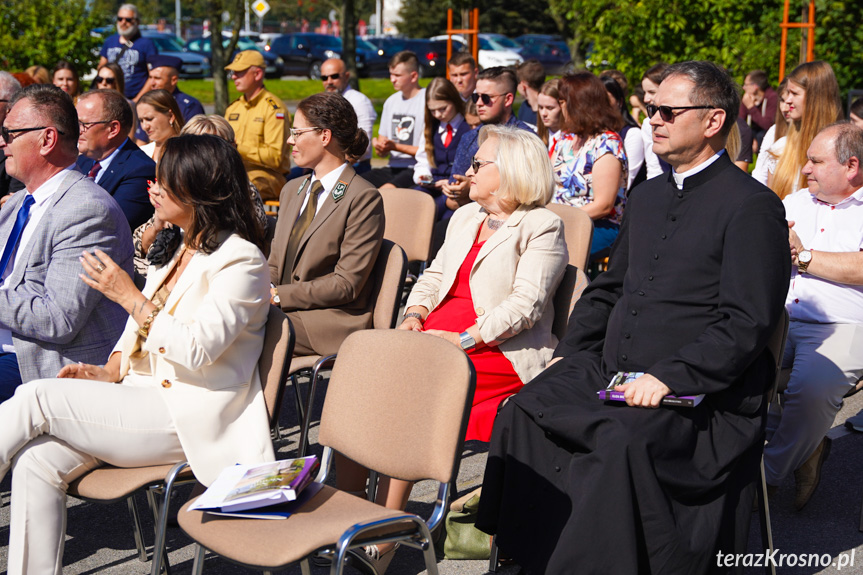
{"points": [[366, 45], [167, 44], [505, 42], [243, 43], [328, 42]]}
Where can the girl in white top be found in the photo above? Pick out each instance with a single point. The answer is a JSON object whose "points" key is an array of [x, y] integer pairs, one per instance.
{"points": [[548, 115]]}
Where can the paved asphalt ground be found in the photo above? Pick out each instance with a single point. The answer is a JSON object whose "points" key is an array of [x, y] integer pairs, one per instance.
{"points": [[99, 537]]}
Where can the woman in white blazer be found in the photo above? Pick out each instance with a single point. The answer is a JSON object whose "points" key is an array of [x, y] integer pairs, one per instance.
{"points": [[182, 382], [490, 288]]}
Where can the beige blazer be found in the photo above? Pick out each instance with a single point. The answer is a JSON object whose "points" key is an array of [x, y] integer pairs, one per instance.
{"points": [[203, 355], [330, 289], [512, 282]]}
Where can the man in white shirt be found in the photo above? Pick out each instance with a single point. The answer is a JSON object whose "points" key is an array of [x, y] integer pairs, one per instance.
{"points": [[48, 316], [336, 78], [402, 124], [825, 302]]}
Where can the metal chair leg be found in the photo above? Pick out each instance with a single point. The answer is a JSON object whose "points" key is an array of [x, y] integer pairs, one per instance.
{"points": [[494, 557], [160, 555], [764, 519], [198, 564], [136, 529]]}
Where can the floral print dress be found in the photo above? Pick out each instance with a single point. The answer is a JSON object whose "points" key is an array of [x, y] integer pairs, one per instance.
{"points": [[573, 170]]}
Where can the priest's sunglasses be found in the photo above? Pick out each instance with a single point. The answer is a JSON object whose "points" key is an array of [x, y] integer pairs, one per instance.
{"points": [[7, 136], [667, 112]]}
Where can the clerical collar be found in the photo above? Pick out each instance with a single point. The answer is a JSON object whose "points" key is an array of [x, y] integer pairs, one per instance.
{"points": [[679, 178]]}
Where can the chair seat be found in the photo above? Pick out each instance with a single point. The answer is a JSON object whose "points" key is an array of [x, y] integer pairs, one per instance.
{"points": [[299, 362], [316, 525], [109, 483]]}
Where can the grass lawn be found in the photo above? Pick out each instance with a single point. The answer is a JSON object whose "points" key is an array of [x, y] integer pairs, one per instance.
{"points": [[377, 89]]}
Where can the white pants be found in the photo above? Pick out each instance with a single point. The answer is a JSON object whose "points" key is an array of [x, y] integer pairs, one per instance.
{"points": [[825, 360], [52, 431]]}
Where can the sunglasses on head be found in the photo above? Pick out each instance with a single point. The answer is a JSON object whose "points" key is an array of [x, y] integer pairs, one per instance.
{"points": [[335, 76], [487, 99], [667, 112], [105, 80]]}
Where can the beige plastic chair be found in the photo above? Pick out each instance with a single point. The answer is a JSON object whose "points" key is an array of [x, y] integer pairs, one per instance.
{"points": [[389, 280], [383, 413], [578, 232], [109, 484], [570, 289], [410, 216]]}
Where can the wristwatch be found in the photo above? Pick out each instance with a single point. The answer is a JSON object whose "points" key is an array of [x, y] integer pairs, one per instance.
{"points": [[467, 342], [804, 258]]}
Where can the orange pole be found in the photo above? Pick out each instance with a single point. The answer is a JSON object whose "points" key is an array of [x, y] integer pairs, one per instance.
{"points": [[810, 44], [784, 44], [449, 40], [475, 26]]}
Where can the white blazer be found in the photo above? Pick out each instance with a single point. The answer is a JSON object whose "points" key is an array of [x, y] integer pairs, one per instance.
{"points": [[203, 349], [512, 282]]}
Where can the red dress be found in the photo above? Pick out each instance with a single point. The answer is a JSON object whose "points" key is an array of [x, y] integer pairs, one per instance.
{"points": [[495, 377]]}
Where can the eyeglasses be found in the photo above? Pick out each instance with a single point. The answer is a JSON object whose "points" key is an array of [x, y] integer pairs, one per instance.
{"points": [[487, 99], [295, 132], [335, 76], [667, 112], [84, 126], [105, 80], [476, 164], [124, 19], [6, 133]]}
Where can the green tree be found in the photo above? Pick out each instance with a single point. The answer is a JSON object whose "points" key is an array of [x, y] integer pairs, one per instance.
{"points": [[222, 54], [424, 18], [45, 31]]}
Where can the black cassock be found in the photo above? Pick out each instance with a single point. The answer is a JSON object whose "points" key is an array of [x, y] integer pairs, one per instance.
{"points": [[695, 287]]}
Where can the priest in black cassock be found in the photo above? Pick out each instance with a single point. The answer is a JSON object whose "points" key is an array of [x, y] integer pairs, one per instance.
{"points": [[695, 286]]}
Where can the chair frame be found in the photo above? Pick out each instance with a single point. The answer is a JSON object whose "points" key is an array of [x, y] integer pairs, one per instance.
{"points": [[180, 474], [418, 537]]}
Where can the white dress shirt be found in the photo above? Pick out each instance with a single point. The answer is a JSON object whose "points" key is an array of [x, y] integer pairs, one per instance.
{"points": [[827, 228], [423, 166], [328, 182], [366, 115]]}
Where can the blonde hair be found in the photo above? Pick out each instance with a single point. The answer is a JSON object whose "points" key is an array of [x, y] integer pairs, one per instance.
{"points": [[732, 144], [213, 124], [526, 176], [548, 89], [822, 107]]}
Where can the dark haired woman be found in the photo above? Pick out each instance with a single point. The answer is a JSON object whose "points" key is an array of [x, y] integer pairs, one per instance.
{"points": [[330, 228], [589, 161], [630, 133], [186, 360]]}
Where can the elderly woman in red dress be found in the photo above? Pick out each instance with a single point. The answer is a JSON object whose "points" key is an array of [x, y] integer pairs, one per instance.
{"points": [[490, 288]]}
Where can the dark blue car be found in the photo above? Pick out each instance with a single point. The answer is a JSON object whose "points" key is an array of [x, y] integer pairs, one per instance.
{"points": [[304, 52], [551, 51]]}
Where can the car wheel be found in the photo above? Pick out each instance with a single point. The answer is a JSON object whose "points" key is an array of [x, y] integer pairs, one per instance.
{"points": [[315, 70]]}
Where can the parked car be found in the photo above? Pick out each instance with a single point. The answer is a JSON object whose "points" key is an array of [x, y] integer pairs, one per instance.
{"points": [[492, 51], [194, 65], [552, 52], [274, 65], [304, 52], [430, 53]]}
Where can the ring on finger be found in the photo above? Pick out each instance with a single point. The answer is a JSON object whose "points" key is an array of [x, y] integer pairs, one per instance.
{"points": [[100, 268]]}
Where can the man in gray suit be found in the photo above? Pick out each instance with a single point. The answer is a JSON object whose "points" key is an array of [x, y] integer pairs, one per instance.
{"points": [[48, 316]]}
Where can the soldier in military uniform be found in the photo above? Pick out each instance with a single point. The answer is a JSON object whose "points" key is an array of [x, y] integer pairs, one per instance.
{"points": [[258, 118]]}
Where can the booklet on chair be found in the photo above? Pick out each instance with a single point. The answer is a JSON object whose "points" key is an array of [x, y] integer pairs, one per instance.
{"points": [[244, 487], [621, 377]]}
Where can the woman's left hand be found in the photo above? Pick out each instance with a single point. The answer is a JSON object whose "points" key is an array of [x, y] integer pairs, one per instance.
{"points": [[451, 336], [106, 277]]}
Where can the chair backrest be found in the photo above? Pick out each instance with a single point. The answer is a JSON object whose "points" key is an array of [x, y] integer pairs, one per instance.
{"points": [[398, 403], [389, 276], [578, 232], [410, 216], [275, 362], [570, 289]]}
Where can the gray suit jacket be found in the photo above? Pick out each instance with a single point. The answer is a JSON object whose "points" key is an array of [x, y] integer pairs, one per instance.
{"points": [[55, 318]]}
